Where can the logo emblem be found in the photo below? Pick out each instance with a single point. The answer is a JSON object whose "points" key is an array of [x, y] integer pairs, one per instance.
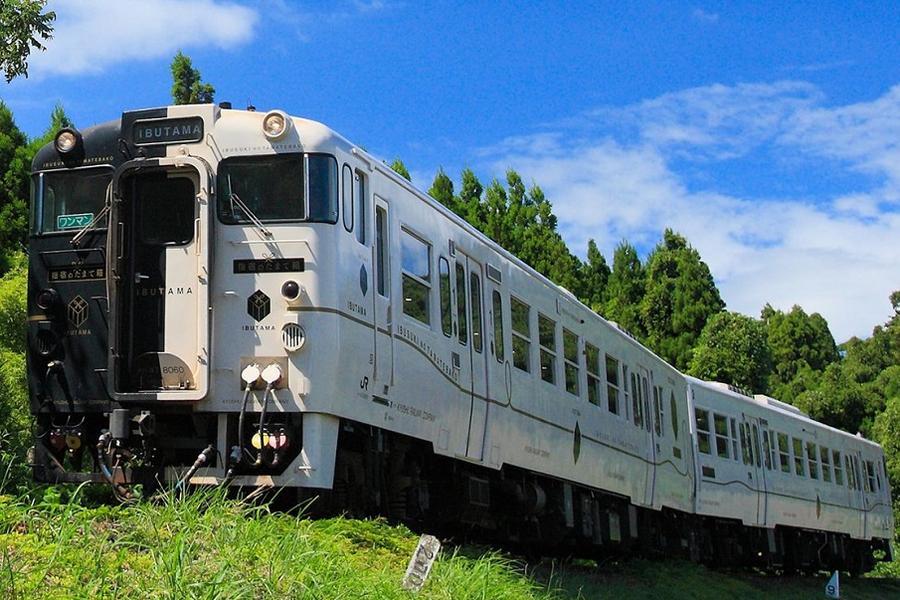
{"points": [[363, 280], [258, 305], [576, 444], [77, 311]]}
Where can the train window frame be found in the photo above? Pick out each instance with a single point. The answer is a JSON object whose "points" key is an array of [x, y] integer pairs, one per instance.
{"points": [[799, 458], [521, 340], [548, 354], [637, 401], [626, 391], [723, 440], [411, 281], [38, 199], [851, 476], [735, 431], [382, 235], [660, 411], [825, 462], [812, 452], [361, 192], [870, 477], [497, 316], [445, 296], [613, 389], [462, 303], [767, 450], [703, 433], [347, 197], [571, 367], [755, 444], [475, 297], [673, 406], [784, 452], [838, 467], [592, 369]]}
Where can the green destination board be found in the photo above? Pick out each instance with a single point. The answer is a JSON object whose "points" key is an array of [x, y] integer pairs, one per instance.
{"points": [[74, 221]]}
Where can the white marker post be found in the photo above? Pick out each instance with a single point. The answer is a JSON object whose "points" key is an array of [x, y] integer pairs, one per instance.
{"points": [[421, 562], [833, 587]]}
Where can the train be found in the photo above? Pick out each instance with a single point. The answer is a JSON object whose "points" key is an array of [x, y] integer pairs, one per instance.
{"points": [[246, 299]]}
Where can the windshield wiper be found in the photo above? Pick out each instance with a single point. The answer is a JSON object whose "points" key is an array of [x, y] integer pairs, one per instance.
{"points": [[76, 239], [235, 199]]}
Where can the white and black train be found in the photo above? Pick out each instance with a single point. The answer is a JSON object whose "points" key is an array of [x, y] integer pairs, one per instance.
{"points": [[230, 297]]}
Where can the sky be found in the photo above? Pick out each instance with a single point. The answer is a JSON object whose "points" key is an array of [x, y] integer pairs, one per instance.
{"points": [[767, 133]]}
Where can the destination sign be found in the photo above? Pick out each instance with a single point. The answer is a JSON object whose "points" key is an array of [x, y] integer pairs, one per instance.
{"points": [[75, 221], [168, 131], [270, 265], [77, 273]]}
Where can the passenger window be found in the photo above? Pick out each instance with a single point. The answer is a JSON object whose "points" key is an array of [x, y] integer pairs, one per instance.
{"points": [[570, 354], [612, 384], [659, 410], [361, 207], [416, 267], [756, 445], [475, 289], [870, 477], [547, 341], [521, 334], [767, 451], [592, 357], [497, 303], [674, 409], [798, 457], [734, 440], [636, 401], [851, 476], [703, 433], [381, 240], [813, 460], [722, 445], [838, 469], [461, 303], [784, 452], [446, 314], [825, 456], [347, 196]]}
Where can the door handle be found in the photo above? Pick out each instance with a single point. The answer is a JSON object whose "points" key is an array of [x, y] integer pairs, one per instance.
{"points": [[138, 277]]}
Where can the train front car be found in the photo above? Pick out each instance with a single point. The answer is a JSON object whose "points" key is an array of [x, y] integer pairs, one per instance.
{"points": [[183, 285]]}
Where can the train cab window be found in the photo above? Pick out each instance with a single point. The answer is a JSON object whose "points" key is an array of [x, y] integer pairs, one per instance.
{"points": [[547, 341], [592, 358], [360, 192], [722, 442], [446, 308], [521, 334], [323, 187], [381, 241], [813, 460], [416, 267], [271, 188], [838, 469], [703, 433], [497, 316], [612, 385], [784, 452], [67, 201], [570, 355], [347, 196], [461, 305], [798, 457], [673, 409], [825, 456], [659, 410], [477, 327]]}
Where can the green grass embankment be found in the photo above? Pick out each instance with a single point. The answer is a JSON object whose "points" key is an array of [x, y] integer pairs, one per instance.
{"points": [[206, 547]]}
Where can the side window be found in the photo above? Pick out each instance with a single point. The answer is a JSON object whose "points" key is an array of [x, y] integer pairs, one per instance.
{"points": [[703, 434], [767, 451], [722, 441], [416, 266], [461, 304], [381, 240], [592, 357], [475, 289], [784, 452], [361, 207], [637, 411], [870, 476], [547, 341], [497, 303], [756, 445], [811, 452], [446, 308], [734, 441], [612, 384], [323, 188], [674, 409], [521, 334], [825, 455], [798, 457], [347, 196], [838, 468], [570, 354], [851, 476], [659, 410]]}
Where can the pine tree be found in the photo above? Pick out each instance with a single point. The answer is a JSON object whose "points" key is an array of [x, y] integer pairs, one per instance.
{"points": [[469, 201], [401, 169], [625, 289], [594, 278], [442, 190], [186, 85]]}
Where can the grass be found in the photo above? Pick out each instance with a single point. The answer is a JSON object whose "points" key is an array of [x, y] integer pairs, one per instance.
{"points": [[204, 546]]}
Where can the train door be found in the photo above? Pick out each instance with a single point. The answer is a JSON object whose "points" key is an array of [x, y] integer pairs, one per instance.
{"points": [[158, 254], [861, 495], [381, 299], [646, 384], [476, 354], [750, 439]]}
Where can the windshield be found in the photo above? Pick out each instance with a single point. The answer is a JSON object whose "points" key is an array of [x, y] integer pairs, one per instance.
{"points": [[272, 187], [68, 200]]}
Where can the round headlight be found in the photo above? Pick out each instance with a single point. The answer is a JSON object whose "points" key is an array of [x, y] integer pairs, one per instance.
{"points": [[46, 299], [290, 290], [66, 140], [275, 124]]}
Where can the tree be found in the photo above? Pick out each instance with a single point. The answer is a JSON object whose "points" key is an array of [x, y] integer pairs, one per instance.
{"points": [[625, 289], [442, 190], [733, 348], [401, 169], [594, 278], [186, 85], [24, 26], [839, 401], [680, 297]]}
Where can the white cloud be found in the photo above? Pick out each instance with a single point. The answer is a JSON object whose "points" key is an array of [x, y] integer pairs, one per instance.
{"points": [[705, 17], [838, 255], [91, 35]]}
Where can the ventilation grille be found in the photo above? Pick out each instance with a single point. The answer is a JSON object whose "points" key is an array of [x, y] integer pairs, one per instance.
{"points": [[292, 336]]}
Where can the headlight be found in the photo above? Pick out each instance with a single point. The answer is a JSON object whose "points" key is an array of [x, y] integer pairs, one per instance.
{"points": [[290, 290], [46, 299], [275, 124], [67, 140]]}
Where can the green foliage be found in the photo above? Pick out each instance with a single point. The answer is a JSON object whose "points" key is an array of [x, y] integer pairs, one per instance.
{"points": [[732, 348], [594, 278], [23, 26], [12, 306], [401, 169], [186, 85], [442, 190], [679, 299], [626, 289]]}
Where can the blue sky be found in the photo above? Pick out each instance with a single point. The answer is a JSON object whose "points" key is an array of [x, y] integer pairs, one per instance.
{"points": [[767, 134]]}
